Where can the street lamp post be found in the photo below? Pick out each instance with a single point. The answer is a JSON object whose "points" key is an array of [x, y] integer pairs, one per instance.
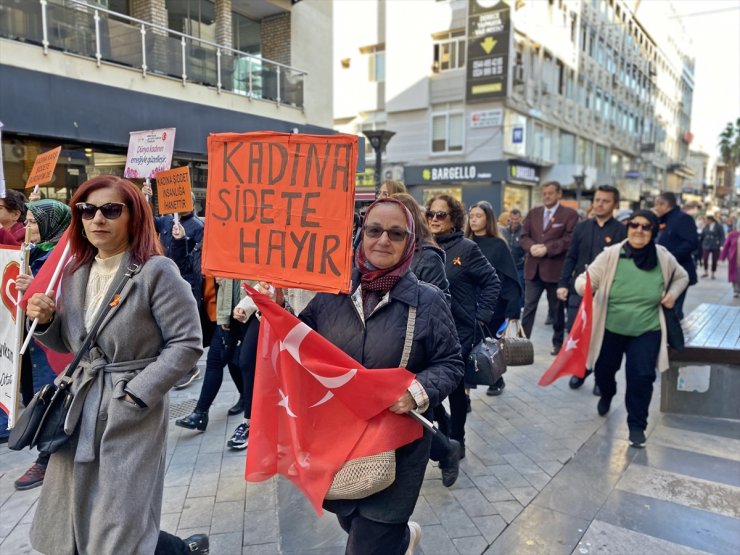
{"points": [[378, 139], [580, 181]]}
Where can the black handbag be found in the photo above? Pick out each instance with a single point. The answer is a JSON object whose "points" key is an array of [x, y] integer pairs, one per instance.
{"points": [[518, 350], [41, 424], [485, 364], [674, 331]]}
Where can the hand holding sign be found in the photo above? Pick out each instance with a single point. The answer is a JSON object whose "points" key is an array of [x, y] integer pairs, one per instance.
{"points": [[178, 232]]}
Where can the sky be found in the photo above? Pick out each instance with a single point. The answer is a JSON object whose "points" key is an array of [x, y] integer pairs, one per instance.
{"points": [[716, 47]]}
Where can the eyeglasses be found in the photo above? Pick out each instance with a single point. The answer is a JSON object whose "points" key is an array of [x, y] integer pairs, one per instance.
{"points": [[644, 227], [438, 215], [110, 210], [395, 234]]}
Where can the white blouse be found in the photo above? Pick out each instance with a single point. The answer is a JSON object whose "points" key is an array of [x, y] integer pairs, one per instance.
{"points": [[102, 273]]}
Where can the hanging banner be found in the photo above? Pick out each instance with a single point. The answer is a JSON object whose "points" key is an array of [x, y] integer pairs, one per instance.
{"points": [[279, 208], [149, 152], [43, 167], [10, 333], [173, 191], [489, 36]]}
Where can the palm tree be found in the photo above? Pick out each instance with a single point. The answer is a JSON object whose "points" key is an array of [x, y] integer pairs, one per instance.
{"points": [[729, 149]]}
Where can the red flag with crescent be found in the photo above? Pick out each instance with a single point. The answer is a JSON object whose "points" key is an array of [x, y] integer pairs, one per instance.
{"points": [[315, 407], [571, 361]]}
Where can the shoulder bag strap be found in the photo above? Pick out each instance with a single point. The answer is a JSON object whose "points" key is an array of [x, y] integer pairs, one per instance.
{"points": [[131, 271], [410, 324]]}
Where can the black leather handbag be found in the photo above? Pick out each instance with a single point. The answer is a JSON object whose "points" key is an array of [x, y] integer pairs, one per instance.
{"points": [[41, 424], [674, 331], [485, 364]]}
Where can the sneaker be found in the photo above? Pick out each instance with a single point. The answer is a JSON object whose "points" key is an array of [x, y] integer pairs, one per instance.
{"points": [[188, 378], [240, 438], [637, 438], [198, 544], [414, 537], [33, 477]]}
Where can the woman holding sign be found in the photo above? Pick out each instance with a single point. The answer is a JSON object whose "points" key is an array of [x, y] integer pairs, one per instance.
{"points": [[370, 325], [103, 489]]}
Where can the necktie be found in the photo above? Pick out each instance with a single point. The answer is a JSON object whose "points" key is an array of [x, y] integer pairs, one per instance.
{"points": [[548, 215]]}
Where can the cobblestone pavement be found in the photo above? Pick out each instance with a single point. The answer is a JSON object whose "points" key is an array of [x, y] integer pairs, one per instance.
{"points": [[543, 474]]}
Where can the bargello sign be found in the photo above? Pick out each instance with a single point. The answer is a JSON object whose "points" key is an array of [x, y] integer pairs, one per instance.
{"points": [[448, 173]]}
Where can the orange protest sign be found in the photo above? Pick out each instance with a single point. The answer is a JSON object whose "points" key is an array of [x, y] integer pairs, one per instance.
{"points": [[43, 167], [173, 191], [279, 208]]}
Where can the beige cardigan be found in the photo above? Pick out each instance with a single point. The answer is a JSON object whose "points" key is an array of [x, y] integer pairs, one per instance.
{"points": [[602, 271]]}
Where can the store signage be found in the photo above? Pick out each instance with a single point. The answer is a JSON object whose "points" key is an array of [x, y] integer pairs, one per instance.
{"points": [[523, 173], [486, 118], [467, 171], [517, 135], [489, 36]]}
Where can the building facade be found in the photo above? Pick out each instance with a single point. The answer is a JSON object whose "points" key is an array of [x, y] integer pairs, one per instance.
{"points": [[84, 75], [490, 98]]}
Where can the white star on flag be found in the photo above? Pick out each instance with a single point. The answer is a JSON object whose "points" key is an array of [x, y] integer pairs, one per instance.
{"points": [[284, 403], [571, 344]]}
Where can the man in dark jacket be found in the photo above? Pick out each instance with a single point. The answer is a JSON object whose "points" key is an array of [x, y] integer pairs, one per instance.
{"points": [[512, 233], [590, 237], [546, 237], [677, 234]]}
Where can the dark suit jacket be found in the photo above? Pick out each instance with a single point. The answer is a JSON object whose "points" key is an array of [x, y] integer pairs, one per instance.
{"points": [[556, 238], [678, 234], [583, 251]]}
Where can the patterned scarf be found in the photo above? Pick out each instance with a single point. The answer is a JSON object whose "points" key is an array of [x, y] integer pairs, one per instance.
{"points": [[377, 282], [52, 217]]}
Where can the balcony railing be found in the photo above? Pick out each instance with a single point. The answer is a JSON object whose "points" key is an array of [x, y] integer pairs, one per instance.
{"points": [[82, 29]]}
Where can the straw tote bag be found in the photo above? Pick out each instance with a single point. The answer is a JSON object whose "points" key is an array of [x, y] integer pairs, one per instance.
{"points": [[518, 350]]}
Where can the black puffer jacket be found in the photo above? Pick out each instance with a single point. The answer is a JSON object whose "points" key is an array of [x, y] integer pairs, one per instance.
{"points": [[378, 343], [428, 265]]}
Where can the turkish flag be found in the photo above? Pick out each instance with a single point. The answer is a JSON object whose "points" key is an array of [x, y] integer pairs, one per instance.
{"points": [[315, 407], [571, 361], [42, 283]]}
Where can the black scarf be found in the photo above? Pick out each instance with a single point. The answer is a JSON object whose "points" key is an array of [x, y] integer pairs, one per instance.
{"points": [[645, 258]]}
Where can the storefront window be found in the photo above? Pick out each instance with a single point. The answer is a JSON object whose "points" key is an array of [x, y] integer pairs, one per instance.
{"points": [[517, 196], [453, 191]]}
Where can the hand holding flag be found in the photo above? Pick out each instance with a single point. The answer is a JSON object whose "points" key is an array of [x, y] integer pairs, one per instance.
{"points": [[571, 360]]}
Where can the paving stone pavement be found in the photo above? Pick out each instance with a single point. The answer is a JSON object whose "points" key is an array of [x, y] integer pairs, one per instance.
{"points": [[543, 474]]}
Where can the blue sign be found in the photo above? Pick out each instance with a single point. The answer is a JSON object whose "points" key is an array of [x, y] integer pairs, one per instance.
{"points": [[517, 135]]}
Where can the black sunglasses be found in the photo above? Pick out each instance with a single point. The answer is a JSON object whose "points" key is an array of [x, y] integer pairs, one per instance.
{"points": [[110, 210], [395, 234], [438, 215], [644, 227]]}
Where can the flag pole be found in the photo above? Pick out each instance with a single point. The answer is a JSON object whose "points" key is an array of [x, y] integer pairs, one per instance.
{"points": [[52, 284], [20, 322], [423, 421]]}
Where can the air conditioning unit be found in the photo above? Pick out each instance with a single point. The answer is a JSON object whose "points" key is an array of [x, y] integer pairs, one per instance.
{"points": [[518, 73], [394, 173]]}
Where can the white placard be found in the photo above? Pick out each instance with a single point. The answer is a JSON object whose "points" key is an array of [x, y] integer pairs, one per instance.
{"points": [[149, 152], [10, 331]]}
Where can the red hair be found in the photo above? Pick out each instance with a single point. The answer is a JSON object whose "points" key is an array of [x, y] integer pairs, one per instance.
{"points": [[143, 241]]}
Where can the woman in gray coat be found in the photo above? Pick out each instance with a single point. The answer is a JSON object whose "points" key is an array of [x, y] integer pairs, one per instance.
{"points": [[103, 489]]}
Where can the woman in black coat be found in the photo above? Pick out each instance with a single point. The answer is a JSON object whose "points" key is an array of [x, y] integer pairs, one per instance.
{"points": [[370, 326], [474, 287], [483, 230]]}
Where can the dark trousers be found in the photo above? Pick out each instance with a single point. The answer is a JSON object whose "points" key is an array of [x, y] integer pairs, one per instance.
{"points": [[367, 537], [454, 426], [705, 259], [532, 293], [642, 357], [168, 544], [221, 353], [247, 362], [571, 310], [679, 304]]}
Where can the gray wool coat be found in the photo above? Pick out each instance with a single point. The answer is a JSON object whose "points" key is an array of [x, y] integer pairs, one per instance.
{"points": [[103, 491]]}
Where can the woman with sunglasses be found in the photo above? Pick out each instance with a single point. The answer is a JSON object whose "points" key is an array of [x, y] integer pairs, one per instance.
{"points": [[474, 287], [46, 221], [103, 489], [631, 281], [482, 228]]}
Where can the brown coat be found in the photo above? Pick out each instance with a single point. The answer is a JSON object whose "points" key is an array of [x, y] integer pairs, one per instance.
{"points": [[556, 237]]}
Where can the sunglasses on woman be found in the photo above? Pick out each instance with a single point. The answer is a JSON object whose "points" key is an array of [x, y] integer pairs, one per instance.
{"points": [[395, 234], [644, 227], [110, 210], [438, 215]]}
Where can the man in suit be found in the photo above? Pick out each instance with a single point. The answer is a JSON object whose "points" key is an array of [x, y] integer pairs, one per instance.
{"points": [[590, 237], [678, 234], [546, 236]]}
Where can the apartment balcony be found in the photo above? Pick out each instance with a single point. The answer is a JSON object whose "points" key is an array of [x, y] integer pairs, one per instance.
{"points": [[89, 31]]}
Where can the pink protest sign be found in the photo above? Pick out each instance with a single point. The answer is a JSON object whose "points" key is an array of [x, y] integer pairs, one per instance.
{"points": [[149, 152]]}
